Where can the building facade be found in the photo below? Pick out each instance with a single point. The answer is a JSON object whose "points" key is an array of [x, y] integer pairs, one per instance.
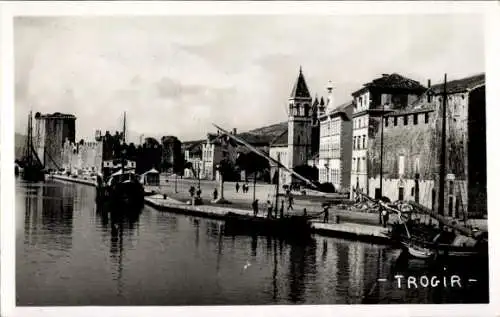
{"points": [[335, 147], [412, 148], [278, 150], [51, 131], [378, 97], [82, 156]]}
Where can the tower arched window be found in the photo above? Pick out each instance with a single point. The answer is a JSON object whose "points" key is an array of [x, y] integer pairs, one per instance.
{"points": [[306, 110]]}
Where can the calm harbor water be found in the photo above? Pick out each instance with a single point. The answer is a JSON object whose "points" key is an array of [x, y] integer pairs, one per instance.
{"points": [[70, 253]]}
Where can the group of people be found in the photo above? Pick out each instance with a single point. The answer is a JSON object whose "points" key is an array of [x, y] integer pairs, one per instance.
{"points": [[244, 187], [269, 205], [192, 191]]}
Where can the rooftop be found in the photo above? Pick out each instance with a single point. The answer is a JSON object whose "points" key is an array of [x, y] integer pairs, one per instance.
{"points": [[340, 109], [393, 81], [460, 85], [281, 140], [55, 115]]}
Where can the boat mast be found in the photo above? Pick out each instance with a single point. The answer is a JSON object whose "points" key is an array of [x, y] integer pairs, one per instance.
{"points": [[123, 150], [277, 184], [442, 161], [30, 145], [381, 149]]}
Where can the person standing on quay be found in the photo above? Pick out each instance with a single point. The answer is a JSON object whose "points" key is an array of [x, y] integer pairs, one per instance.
{"points": [[290, 202], [255, 207], [326, 213], [385, 216], [216, 193], [269, 209], [237, 186]]}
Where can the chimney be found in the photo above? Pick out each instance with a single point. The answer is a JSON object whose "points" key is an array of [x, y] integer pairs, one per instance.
{"points": [[234, 131], [330, 101]]}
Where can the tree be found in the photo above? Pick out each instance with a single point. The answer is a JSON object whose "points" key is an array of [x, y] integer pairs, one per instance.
{"points": [[148, 155], [251, 163], [172, 156]]}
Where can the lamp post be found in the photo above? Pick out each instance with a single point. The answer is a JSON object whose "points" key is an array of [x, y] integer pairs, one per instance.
{"points": [[254, 181], [221, 185], [199, 176]]}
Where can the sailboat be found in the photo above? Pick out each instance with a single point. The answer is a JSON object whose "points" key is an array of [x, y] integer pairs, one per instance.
{"points": [[33, 169], [122, 188], [450, 239]]}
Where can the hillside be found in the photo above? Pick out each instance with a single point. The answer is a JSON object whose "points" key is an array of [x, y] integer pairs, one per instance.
{"points": [[272, 131], [256, 136]]}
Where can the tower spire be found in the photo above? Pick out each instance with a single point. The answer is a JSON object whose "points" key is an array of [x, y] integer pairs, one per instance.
{"points": [[300, 89]]}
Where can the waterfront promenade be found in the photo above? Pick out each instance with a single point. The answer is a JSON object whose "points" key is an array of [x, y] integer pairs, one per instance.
{"points": [[353, 225]]}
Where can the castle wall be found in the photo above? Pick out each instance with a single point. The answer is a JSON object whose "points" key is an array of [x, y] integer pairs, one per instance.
{"points": [[88, 155]]}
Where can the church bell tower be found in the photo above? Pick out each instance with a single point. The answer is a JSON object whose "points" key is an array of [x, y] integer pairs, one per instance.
{"points": [[299, 124]]}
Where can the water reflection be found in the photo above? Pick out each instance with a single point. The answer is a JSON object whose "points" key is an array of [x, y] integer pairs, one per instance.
{"points": [[89, 255]]}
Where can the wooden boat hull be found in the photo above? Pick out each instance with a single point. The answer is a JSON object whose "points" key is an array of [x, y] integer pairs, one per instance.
{"points": [[294, 226], [419, 252], [33, 174], [439, 249], [125, 196]]}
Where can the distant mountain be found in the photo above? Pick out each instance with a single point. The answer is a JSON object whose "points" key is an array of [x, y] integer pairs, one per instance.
{"points": [[19, 144], [272, 131], [264, 134]]}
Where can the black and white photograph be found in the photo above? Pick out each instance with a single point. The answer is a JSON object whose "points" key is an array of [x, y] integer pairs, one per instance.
{"points": [[250, 159]]}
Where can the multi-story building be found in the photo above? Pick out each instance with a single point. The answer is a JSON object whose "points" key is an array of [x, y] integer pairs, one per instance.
{"points": [[412, 147], [335, 140], [211, 155], [466, 157], [192, 154], [380, 96], [335, 146], [51, 131]]}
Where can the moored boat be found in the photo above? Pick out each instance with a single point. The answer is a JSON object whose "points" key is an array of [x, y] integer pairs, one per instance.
{"points": [[123, 189], [289, 226], [33, 169]]}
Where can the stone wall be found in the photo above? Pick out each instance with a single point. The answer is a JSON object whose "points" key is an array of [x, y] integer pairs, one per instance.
{"points": [[88, 155]]}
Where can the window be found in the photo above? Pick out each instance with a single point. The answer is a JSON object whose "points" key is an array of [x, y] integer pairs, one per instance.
{"points": [[357, 165], [364, 139], [415, 118], [426, 117], [401, 165], [451, 187], [354, 143], [386, 122], [405, 120], [395, 121]]}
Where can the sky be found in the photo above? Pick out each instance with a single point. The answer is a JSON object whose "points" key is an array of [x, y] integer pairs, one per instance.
{"points": [[177, 75]]}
